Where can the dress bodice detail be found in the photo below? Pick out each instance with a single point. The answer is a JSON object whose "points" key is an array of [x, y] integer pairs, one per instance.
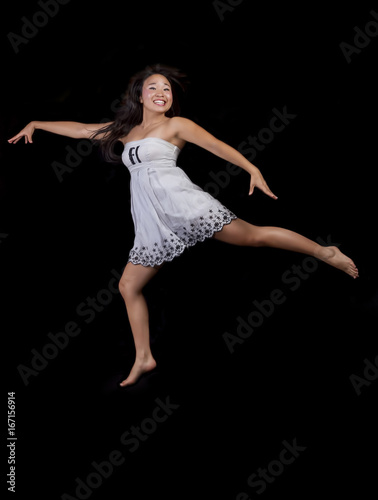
{"points": [[150, 150]]}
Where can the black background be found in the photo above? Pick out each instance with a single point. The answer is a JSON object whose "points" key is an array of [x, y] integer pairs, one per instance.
{"points": [[61, 240]]}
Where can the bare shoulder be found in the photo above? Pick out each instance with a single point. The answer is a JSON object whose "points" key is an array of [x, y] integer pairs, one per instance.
{"points": [[183, 128], [178, 123], [187, 130], [175, 128]]}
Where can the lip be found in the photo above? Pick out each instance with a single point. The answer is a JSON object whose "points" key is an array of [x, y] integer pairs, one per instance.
{"points": [[159, 102]]}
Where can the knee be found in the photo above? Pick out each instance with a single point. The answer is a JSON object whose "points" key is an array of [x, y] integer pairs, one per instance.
{"points": [[256, 238], [128, 288]]}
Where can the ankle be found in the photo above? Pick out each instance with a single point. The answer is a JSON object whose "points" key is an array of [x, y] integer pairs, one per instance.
{"points": [[143, 355], [325, 253]]}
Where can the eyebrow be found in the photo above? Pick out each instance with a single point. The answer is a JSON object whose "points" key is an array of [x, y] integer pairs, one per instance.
{"points": [[154, 83]]}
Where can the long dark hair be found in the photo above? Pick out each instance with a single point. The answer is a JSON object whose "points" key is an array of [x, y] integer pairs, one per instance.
{"points": [[130, 112]]}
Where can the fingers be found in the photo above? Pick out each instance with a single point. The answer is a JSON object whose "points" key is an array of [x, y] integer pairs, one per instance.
{"points": [[263, 186], [269, 193], [265, 189], [16, 138]]}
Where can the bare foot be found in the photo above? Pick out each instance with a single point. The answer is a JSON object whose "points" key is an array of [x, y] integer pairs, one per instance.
{"points": [[335, 258], [140, 367]]}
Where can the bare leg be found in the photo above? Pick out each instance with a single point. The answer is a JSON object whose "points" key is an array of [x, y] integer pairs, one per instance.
{"points": [[132, 282], [239, 232]]}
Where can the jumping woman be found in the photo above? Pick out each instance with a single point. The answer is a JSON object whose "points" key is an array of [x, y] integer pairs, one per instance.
{"points": [[169, 212]]}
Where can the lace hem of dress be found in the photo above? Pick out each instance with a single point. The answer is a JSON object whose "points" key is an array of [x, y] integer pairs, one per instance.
{"points": [[199, 230]]}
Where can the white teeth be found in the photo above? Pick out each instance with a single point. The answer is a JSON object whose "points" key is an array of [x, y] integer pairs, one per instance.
{"points": [[159, 102]]}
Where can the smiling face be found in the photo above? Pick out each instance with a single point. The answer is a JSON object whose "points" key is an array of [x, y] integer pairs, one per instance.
{"points": [[157, 94]]}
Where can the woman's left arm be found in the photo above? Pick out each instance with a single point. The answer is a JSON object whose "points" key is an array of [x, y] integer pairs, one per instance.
{"points": [[189, 131]]}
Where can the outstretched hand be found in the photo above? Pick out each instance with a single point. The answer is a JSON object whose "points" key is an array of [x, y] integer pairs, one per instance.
{"points": [[26, 132], [257, 180]]}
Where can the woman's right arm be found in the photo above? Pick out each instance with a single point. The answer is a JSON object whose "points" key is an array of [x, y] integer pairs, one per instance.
{"points": [[75, 130]]}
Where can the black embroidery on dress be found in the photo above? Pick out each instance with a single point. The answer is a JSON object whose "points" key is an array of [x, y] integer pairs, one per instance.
{"points": [[136, 154], [200, 229], [131, 155]]}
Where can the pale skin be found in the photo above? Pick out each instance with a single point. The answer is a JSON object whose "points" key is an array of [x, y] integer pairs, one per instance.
{"points": [[157, 99]]}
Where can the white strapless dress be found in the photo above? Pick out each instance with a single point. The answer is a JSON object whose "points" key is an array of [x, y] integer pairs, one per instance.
{"points": [[170, 213]]}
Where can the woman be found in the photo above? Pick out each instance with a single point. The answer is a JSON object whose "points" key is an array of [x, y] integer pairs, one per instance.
{"points": [[169, 212]]}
